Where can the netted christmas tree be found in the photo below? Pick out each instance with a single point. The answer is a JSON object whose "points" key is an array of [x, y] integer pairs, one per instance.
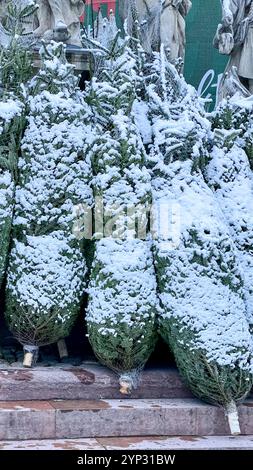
{"points": [[203, 316], [122, 289], [10, 114], [230, 176], [15, 72], [46, 274]]}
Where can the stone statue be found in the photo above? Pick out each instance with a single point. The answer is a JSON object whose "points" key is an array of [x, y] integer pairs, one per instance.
{"points": [[173, 26], [60, 20], [2, 8], [161, 21], [234, 37]]}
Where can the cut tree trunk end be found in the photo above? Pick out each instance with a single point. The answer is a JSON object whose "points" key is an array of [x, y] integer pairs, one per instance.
{"points": [[233, 418], [125, 388], [30, 356], [127, 382], [62, 348]]}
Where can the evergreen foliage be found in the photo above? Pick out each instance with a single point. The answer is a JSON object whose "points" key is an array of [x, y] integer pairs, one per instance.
{"points": [[15, 71], [10, 122], [46, 275], [16, 56], [229, 174], [122, 307], [138, 137], [122, 290], [203, 316]]}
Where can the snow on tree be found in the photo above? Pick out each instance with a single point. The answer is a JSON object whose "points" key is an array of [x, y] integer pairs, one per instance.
{"points": [[230, 176], [16, 55], [46, 274], [10, 113], [203, 316], [122, 290], [105, 29], [15, 71], [45, 286]]}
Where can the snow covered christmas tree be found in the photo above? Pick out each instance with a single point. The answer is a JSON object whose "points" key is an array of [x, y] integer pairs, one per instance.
{"points": [[15, 71], [230, 175], [10, 114], [203, 316], [46, 274], [122, 289]]}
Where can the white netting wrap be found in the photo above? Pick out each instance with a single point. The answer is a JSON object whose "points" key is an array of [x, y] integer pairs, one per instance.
{"points": [[128, 381]]}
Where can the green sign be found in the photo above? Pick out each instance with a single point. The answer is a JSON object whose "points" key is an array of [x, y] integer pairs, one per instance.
{"points": [[203, 65]]}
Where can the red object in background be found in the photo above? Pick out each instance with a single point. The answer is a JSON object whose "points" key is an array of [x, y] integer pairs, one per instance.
{"points": [[111, 5]]}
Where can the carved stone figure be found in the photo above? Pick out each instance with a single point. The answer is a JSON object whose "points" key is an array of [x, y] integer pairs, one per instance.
{"points": [[173, 26], [234, 37], [2, 8], [59, 20], [161, 21]]}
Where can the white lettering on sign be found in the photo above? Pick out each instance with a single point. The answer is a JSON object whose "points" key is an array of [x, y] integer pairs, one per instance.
{"points": [[209, 81]]}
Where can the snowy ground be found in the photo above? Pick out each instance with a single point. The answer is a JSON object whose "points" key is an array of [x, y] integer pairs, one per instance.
{"points": [[136, 443]]}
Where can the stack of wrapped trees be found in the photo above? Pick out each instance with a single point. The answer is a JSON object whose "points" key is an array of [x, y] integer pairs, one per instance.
{"points": [[139, 137]]}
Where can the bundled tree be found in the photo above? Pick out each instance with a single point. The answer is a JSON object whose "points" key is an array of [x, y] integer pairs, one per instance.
{"points": [[203, 316], [229, 174], [122, 289], [10, 115], [47, 270], [15, 71]]}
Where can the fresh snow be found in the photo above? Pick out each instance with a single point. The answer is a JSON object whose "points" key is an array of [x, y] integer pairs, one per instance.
{"points": [[229, 173]]}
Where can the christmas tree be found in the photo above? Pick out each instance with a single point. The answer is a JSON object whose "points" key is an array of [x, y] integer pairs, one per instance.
{"points": [[15, 72], [230, 176], [46, 275], [122, 289], [10, 114], [203, 316]]}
